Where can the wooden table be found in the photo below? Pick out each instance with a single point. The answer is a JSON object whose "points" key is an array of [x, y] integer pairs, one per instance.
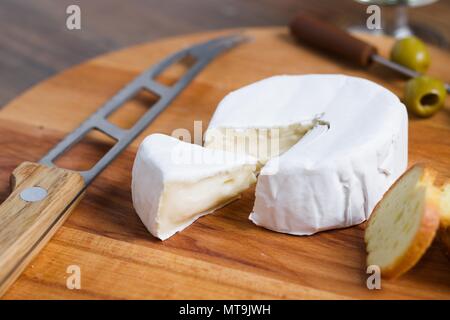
{"points": [[221, 255], [34, 42]]}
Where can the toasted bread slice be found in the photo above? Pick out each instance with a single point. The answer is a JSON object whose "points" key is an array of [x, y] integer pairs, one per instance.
{"points": [[444, 227], [404, 222]]}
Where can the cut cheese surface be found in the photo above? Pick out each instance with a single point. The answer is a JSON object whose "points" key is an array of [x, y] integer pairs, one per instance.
{"points": [[261, 143], [340, 142], [174, 182]]}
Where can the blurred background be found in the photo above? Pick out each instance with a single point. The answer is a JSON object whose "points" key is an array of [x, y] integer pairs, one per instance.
{"points": [[35, 43]]}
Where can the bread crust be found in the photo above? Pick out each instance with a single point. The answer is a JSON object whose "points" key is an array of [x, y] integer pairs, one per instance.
{"points": [[426, 232], [444, 226], [422, 240]]}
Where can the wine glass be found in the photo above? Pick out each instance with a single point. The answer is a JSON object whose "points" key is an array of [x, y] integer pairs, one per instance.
{"points": [[396, 23]]}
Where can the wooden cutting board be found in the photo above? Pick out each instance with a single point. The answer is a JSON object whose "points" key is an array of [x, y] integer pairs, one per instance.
{"points": [[222, 255]]}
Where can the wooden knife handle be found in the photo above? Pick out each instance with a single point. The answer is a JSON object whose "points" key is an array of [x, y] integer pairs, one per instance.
{"points": [[322, 35], [27, 225]]}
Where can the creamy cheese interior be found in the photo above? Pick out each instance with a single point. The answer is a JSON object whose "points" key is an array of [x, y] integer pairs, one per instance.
{"points": [[261, 143], [175, 182], [182, 201]]}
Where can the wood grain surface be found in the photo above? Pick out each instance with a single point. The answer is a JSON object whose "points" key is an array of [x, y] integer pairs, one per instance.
{"points": [[222, 255], [35, 43], [26, 226]]}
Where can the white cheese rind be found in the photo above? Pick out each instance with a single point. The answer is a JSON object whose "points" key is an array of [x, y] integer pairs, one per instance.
{"points": [[174, 183], [332, 178]]}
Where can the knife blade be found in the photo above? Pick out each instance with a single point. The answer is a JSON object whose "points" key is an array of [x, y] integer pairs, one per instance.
{"points": [[43, 194]]}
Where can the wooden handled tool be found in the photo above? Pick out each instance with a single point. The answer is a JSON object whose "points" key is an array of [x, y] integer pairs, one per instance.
{"points": [[43, 195], [327, 37], [322, 35]]}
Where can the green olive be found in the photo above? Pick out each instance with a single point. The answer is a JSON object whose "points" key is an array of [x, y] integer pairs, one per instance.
{"points": [[411, 52], [424, 96]]}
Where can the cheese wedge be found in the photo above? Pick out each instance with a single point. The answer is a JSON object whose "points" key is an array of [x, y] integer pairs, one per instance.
{"points": [[331, 145], [404, 223], [174, 182]]}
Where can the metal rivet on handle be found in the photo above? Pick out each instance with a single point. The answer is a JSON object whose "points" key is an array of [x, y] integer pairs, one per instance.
{"points": [[33, 194]]}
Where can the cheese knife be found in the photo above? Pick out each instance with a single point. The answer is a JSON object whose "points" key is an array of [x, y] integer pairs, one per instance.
{"points": [[322, 35], [43, 195]]}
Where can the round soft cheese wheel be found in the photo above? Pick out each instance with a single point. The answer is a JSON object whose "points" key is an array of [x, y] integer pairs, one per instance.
{"points": [[355, 147]]}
